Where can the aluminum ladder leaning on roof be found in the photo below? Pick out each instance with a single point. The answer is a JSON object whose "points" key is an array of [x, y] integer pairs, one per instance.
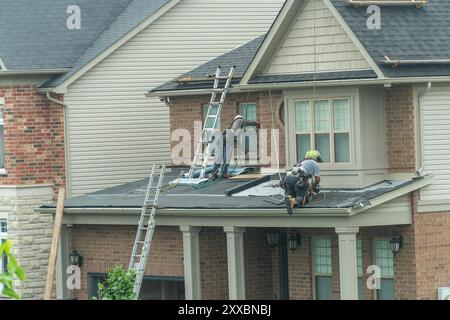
{"points": [[146, 228], [201, 157]]}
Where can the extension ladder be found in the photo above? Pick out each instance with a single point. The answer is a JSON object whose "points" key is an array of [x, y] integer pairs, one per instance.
{"points": [[146, 228], [201, 156]]}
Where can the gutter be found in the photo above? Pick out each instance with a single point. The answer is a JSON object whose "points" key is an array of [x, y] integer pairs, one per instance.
{"points": [[293, 85], [32, 72], [49, 97], [322, 212], [396, 63], [394, 3]]}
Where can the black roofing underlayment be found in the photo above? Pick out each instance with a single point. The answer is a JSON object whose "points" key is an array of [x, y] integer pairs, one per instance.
{"points": [[213, 196]]}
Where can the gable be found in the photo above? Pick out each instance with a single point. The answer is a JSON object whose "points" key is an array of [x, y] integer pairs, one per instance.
{"points": [[315, 42]]}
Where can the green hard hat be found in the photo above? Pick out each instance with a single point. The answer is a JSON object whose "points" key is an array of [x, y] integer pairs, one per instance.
{"points": [[314, 155]]}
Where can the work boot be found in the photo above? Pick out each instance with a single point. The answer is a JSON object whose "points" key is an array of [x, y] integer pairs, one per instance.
{"points": [[213, 177], [292, 202], [226, 176]]}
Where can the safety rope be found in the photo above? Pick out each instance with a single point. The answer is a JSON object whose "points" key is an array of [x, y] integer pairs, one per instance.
{"points": [[272, 133]]}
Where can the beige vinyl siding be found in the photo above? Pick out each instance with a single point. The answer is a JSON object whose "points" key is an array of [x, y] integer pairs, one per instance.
{"points": [[333, 47], [114, 131], [436, 141]]}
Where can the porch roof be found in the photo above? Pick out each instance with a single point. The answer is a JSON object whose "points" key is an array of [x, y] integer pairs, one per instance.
{"points": [[265, 196]]}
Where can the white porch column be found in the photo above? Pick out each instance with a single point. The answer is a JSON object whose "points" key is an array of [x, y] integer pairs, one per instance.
{"points": [[236, 267], [191, 254], [348, 265]]}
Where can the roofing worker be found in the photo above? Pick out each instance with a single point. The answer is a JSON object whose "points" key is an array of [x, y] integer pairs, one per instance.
{"points": [[302, 180], [225, 146]]}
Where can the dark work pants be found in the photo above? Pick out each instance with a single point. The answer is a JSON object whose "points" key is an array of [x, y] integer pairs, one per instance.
{"points": [[290, 185], [226, 159]]}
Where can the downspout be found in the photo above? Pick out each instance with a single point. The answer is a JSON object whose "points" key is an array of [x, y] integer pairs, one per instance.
{"points": [[420, 128], [66, 169]]}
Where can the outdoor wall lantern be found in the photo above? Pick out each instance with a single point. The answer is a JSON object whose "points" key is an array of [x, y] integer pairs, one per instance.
{"points": [[294, 240], [76, 259], [396, 243], [273, 237]]}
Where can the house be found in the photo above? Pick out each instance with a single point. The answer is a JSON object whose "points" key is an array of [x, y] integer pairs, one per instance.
{"points": [[73, 80], [374, 102]]}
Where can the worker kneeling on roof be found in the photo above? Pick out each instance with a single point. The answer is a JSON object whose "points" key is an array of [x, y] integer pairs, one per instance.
{"points": [[303, 180], [224, 146]]}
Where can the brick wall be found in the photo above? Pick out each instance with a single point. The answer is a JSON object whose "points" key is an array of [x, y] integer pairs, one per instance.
{"points": [[33, 138], [104, 247], [258, 265], [185, 110], [301, 262], [428, 236], [432, 239], [400, 125], [213, 264]]}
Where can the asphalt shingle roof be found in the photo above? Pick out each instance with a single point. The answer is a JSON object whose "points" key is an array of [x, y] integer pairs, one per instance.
{"points": [[132, 15], [240, 57], [406, 33], [34, 34]]}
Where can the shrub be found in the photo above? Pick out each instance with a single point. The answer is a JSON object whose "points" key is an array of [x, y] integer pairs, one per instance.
{"points": [[12, 270], [118, 285]]}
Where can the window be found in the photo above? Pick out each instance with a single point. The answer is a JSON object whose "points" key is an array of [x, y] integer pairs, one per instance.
{"points": [[3, 237], [360, 269], [210, 121], [384, 259], [322, 269], [248, 112], [2, 102], [324, 125], [153, 288]]}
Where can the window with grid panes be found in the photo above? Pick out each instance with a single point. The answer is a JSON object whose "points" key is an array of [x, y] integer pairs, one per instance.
{"points": [[360, 269], [323, 269], [210, 121], [384, 259], [324, 125], [248, 112]]}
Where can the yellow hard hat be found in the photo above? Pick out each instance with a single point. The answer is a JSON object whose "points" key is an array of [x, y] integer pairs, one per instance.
{"points": [[314, 155]]}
